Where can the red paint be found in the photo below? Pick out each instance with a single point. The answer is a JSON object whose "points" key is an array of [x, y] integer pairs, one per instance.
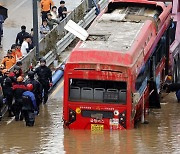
{"points": [[114, 66]]}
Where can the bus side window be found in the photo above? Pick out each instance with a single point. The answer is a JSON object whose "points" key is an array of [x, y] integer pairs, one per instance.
{"points": [[160, 50], [142, 76]]}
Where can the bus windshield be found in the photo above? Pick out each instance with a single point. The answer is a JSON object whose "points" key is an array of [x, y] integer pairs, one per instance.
{"points": [[97, 91]]}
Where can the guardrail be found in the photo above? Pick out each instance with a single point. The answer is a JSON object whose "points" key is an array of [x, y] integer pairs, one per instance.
{"points": [[58, 39]]}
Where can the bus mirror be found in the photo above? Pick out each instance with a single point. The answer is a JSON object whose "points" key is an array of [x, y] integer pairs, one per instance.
{"points": [[136, 98]]}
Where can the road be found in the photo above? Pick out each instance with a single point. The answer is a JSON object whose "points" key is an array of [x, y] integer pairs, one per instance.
{"points": [[20, 13]]}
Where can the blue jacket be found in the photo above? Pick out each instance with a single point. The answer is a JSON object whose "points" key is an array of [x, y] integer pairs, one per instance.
{"points": [[32, 97]]}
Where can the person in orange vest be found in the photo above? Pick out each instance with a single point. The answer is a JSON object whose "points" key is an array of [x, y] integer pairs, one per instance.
{"points": [[46, 7], [13, 49], [18, 51], [8, 61]]}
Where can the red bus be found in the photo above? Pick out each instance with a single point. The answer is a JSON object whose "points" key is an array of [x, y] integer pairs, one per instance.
{"points": [[109, 78]]}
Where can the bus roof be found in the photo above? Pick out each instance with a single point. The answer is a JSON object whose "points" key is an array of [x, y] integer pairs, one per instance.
{"points": [[120, 35], [112, 35]]}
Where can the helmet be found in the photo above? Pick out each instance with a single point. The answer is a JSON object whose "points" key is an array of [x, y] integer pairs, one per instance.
{"points": [[16, 68], [42, 60], [31, 74], [9, 52], [1, 66], [29, 87], [5, 71], [13, 46], [19, 63], [20, 79]]}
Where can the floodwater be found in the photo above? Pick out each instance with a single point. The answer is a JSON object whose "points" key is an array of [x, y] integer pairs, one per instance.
{"points": [[161, 135]]}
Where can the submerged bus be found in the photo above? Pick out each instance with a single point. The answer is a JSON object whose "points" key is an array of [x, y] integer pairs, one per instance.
{"points": [[108, 78]]}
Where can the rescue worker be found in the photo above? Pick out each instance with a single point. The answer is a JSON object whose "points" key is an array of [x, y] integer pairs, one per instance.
{"points": [[15, 74], [19, 64], [29, 106], [44, 77], [8, 61], [18, 89], [13, 49], [36, 87], [18, 51], [6, 84]]}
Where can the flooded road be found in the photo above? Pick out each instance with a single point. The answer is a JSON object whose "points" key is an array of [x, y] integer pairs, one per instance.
{"points": [[161, 135]]}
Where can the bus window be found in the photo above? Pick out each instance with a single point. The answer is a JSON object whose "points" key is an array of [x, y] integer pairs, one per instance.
{"points": [[142, 77], [160, 51], [97, 91]]}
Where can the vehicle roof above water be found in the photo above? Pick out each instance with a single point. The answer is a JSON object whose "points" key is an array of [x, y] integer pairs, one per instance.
{"points": [[115, 31], [119, 36], [113, 36]]}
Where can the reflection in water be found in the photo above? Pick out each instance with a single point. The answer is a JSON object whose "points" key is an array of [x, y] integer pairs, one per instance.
{"points": [[161, 135]]}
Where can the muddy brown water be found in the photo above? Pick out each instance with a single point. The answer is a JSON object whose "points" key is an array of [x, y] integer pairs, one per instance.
{"points": [[161, 135]]}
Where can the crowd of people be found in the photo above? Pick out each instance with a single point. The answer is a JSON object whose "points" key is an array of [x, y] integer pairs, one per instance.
{"points": [[51, 15], [24, 97], [23, 44]]}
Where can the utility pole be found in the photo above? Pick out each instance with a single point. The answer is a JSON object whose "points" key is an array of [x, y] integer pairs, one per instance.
{"points": [[35, 28]]}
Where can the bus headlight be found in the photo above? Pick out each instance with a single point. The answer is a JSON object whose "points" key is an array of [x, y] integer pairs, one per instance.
{"points": [[78, 110], [116, 112]]}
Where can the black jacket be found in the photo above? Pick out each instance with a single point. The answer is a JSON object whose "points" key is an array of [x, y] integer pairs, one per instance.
{"points": [[36, 86], [20, 37], [60, 12], [44, 74], [18, 90], [27, 104], [6, 84]]}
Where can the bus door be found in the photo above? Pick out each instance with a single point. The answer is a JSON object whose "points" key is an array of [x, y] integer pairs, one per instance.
{"points": [[154, 99]]}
